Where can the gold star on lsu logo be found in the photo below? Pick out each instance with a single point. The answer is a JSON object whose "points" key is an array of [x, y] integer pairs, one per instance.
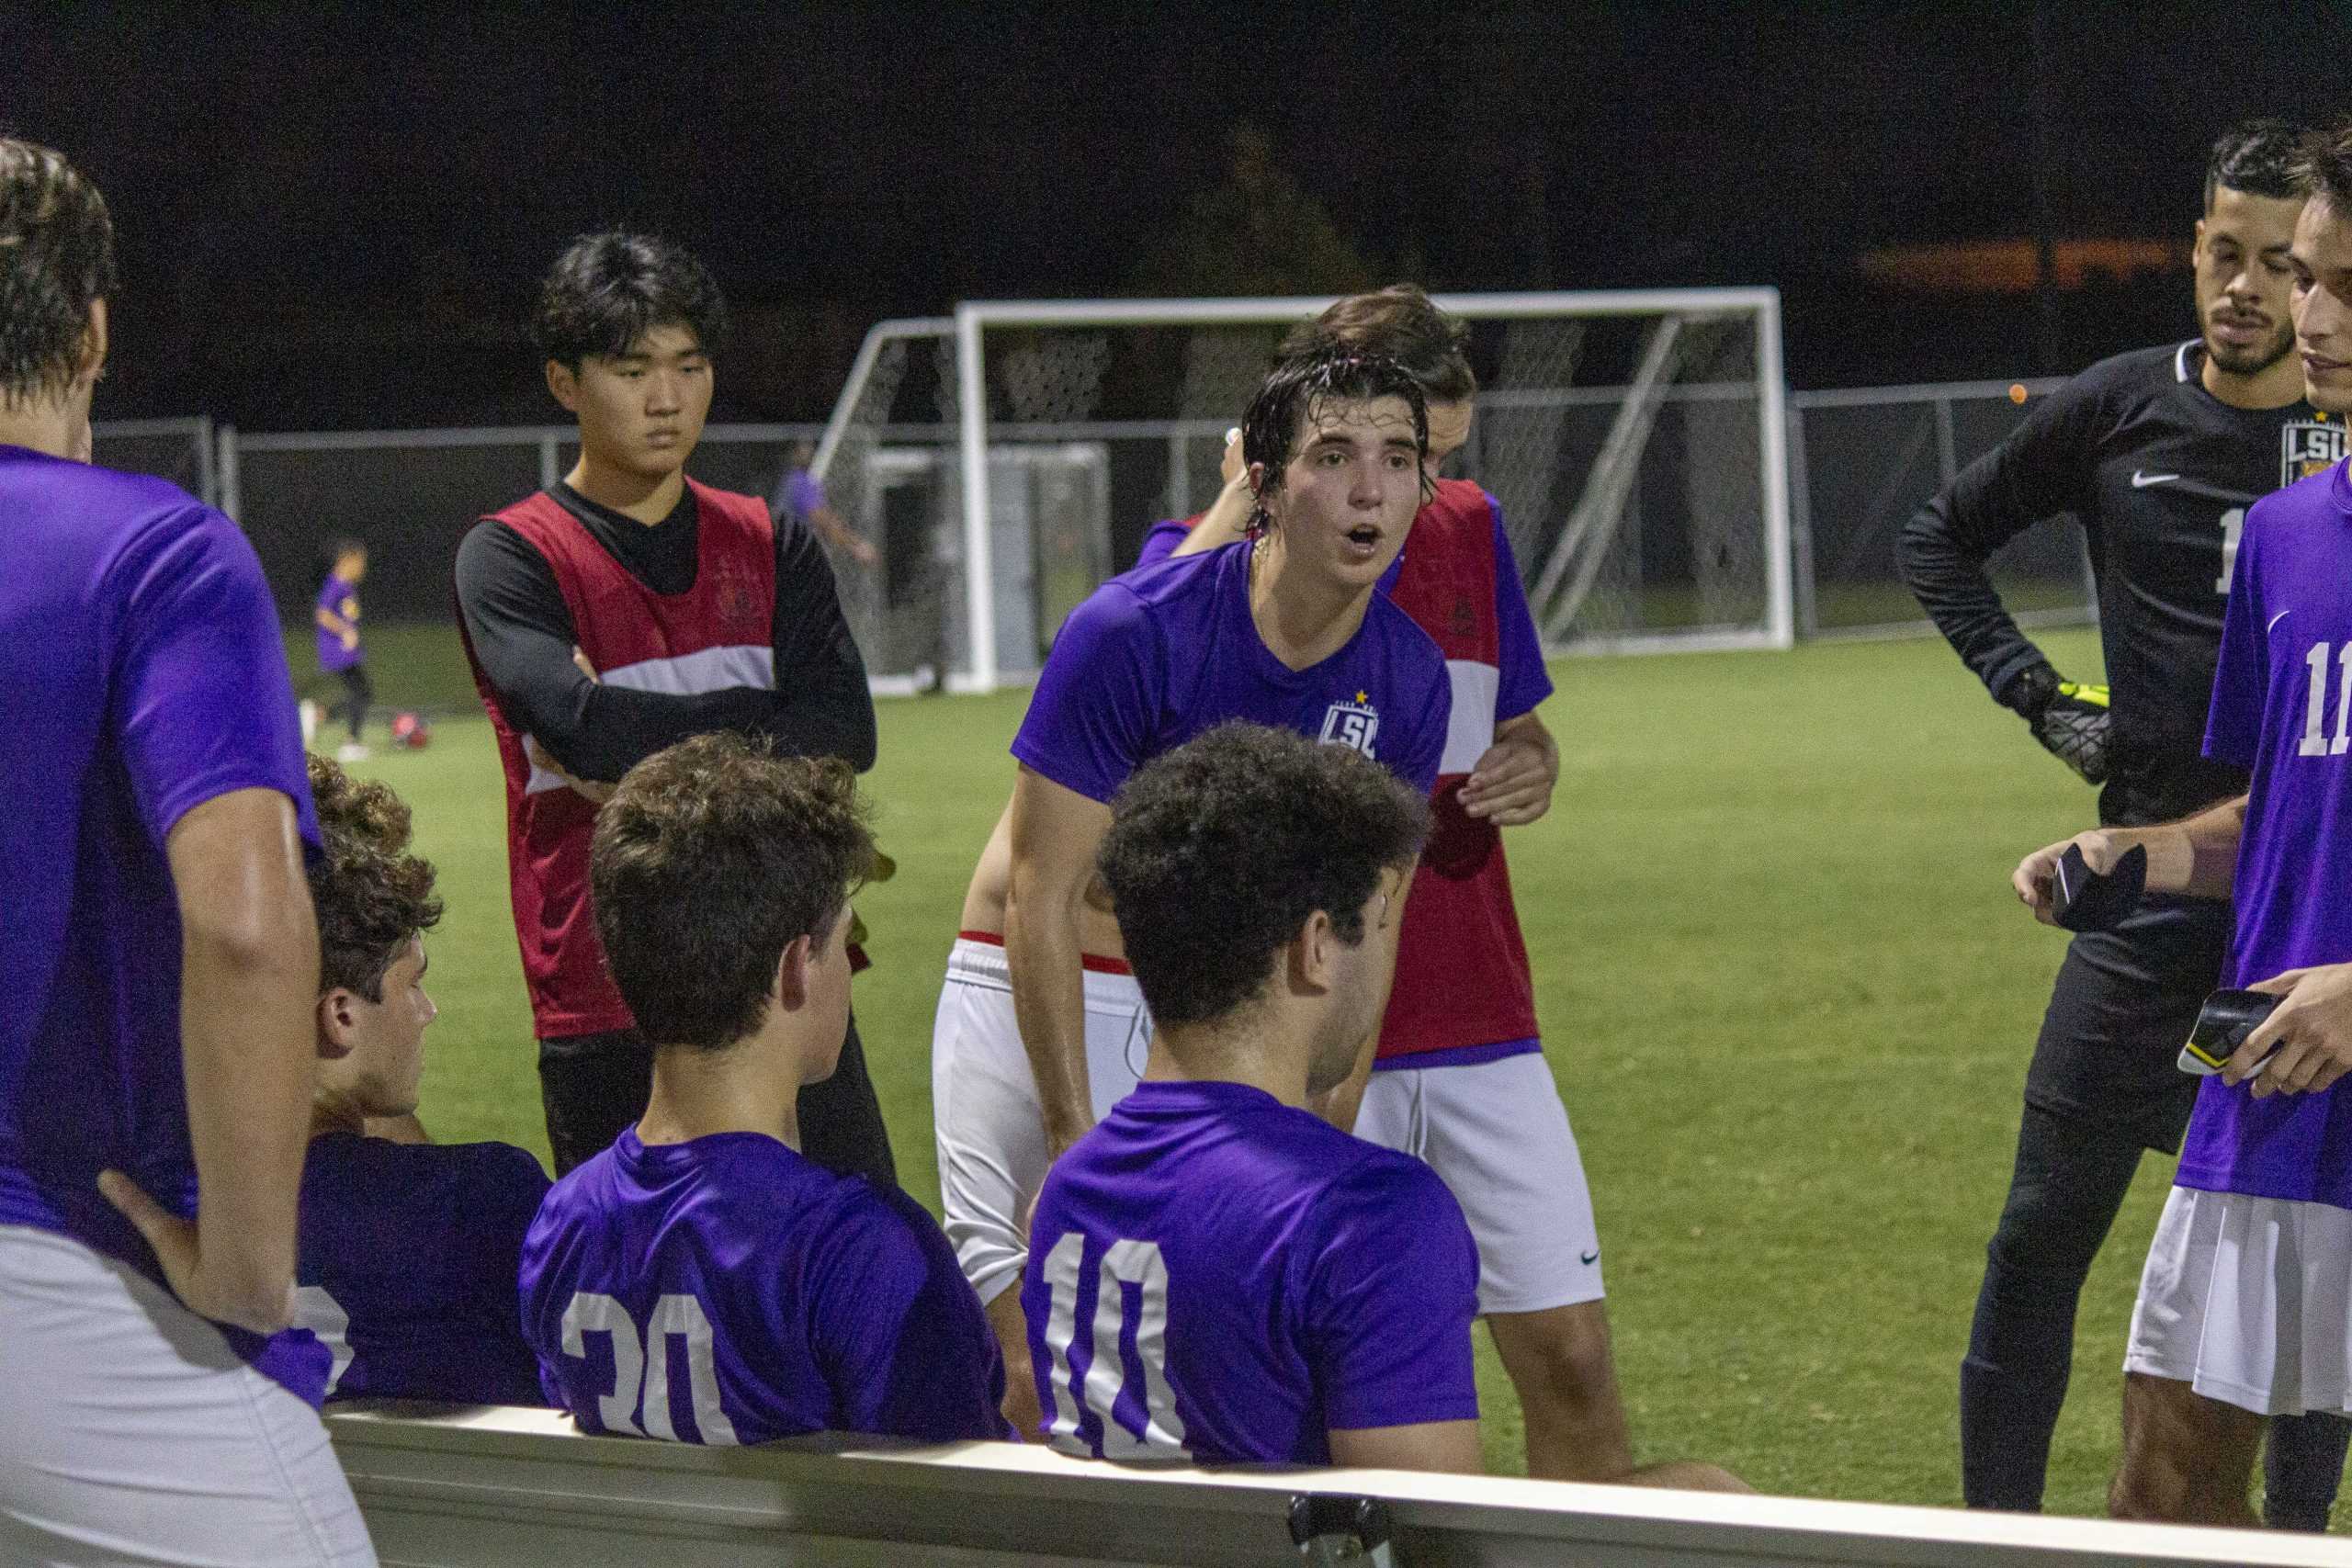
{"points": [[1353, 724]]}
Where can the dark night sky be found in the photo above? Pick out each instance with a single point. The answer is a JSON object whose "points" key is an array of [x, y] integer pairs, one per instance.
{"points": [[336, 220]]}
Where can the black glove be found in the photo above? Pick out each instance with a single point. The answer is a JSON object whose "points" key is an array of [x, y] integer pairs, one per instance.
{"points": [[2069, 719]]}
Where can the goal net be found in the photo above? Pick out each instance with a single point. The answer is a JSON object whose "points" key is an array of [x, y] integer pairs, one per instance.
{"points": [[1006, 461]]}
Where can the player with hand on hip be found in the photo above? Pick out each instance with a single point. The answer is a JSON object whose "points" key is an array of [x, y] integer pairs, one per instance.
{"points": [[161, 966], [2246, 1305], [2159, 453], [1299, 1296], [1040, 1029]]}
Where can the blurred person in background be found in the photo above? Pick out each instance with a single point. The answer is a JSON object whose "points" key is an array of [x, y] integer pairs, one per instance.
{"points": [[337, 618]]}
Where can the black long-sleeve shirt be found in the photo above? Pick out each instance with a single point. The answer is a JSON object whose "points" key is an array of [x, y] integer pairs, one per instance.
{"points": [[2160, 473], [523, 633]]}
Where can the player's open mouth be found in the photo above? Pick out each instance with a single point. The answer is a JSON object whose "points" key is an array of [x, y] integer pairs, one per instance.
{"points": [[1363, 541]]}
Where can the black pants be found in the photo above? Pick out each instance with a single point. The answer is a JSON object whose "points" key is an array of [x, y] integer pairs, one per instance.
{"points": [[358, 692], [595, 1085], [2103, 1090]]}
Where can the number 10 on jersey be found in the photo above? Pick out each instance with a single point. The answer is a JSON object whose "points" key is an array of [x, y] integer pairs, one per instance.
{"points": [[1153, 1414]]}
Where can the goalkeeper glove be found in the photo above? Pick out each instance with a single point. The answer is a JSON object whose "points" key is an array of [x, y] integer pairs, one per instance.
{"points": [[2070, 719]]}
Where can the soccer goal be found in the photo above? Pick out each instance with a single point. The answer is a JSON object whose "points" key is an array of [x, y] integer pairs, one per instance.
{"points": [[1008, 459]]}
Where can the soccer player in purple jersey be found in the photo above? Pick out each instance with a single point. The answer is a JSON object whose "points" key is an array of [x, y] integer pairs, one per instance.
{"points": [[700, 1280], [158, 966], [1040, 1028], [409, 1248], [2245, 1304], [1218, 1274]]}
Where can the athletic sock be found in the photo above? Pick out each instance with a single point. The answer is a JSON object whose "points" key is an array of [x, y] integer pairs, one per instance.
{"points": [[2303, 1464]]}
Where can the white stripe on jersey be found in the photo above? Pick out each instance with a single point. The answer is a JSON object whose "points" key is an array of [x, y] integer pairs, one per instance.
{"points": [[688, 675], [1470, 728]]}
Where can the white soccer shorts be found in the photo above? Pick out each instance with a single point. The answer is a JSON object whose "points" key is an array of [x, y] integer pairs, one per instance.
{"points": [[135, 1435], [991, 1130], [2249, 1301], [1498, 1135]]}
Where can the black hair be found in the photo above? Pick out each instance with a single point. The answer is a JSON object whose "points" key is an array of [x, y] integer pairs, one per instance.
{"points": [[56, 260], [711, 858], [2256, 156], [1403, 322], [606, 291], [1296, 388], [2323, 168], [1220, 849]]}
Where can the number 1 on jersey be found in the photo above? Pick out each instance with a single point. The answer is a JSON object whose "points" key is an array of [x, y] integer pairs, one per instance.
{"points": [[2233, 527], [2317, 743]]}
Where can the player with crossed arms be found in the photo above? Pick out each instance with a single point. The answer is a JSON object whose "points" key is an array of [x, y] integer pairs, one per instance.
{"points": [[1041, 1028]]}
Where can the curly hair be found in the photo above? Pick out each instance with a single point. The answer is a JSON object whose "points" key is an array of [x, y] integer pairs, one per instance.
{"points": [[1220, 849], [1297, 389], [56, 260], [711, 858], [609, 290], [372, 895], [1403, 322]]}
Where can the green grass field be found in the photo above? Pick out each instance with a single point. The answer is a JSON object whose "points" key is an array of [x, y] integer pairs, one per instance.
{"points": [[1788, 995]]}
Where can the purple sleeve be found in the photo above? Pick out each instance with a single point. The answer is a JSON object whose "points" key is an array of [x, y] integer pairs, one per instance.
{"points": [[1161, 542], [804, 492], [2242, 679], [898, 1330], [1394, 1288], [1093, 715], [204, 704], [1525, 681]]}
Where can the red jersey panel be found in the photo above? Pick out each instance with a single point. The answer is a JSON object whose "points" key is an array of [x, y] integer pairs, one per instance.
{"points": [[717, 634], [1461, 971]]}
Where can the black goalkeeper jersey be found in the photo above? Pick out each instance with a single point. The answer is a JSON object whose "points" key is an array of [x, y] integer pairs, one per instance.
{"points": [[2160, 473]]}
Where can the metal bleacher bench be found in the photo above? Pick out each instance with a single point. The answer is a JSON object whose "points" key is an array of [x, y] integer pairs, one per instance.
{"points": [[492, 1487]]}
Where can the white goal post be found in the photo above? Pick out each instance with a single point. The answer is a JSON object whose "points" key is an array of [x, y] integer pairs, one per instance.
{"points": [[1635, 439]]}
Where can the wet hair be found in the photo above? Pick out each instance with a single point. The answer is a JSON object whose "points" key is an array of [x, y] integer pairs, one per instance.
{"points": [[606, 291], [1220, 849], [371, 894], [711, 858], [1293, 392], [2323, 168], [56, 260], [2256, 156], [1402, 322]]}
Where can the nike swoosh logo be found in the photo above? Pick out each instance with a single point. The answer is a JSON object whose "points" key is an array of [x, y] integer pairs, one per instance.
{"points": [[1587, 1256], [2275, 619], [2142, 478]]}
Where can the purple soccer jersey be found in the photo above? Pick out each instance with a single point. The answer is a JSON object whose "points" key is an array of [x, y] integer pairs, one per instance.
{"points": [[339, 598], [407, 1266], [2282, 706], [1216, 1275], [142, 675], [728, 1290], [801, 494], [1155, 657]]}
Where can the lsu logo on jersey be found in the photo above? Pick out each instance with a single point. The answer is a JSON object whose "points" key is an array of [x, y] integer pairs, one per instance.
{"points": [[2309, 446], [1351, 723]]}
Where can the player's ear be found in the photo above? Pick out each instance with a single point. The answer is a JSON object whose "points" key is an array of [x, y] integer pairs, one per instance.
{"points": [[2197, 243], [563, 384], [338, 1023], [1315, 953], [95, 342], [792, 973]]}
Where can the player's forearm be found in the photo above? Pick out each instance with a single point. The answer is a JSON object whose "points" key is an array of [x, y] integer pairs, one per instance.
{"points": [[1043, 951], [2196, 857], [333, 622], [1943, 564], [248, 990]]}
